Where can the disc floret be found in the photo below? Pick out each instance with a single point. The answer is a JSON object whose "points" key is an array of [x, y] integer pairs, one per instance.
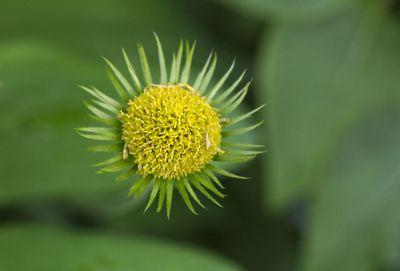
{"points": [[171, 131]]}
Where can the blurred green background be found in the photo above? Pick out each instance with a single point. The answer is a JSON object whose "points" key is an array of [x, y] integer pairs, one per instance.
{"points": [[325, 197]]}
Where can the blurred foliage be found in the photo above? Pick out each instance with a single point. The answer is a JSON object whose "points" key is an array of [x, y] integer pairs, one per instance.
{"points": [[323, 198], [290, 10], [340, 71], [361, 230], [339, 78], [37, 117], [97, 251]]}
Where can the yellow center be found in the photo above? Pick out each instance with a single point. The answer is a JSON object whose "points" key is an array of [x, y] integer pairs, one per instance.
{"points": [[171, 131]]}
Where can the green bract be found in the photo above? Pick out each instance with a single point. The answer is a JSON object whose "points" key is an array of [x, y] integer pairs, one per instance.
{"points": [[170, 132]]}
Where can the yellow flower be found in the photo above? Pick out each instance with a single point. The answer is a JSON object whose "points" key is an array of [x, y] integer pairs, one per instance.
{"points": [[170, 133]]}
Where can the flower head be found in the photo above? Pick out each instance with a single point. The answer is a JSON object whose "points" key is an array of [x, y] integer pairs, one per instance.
{"points": [[170, 133]]}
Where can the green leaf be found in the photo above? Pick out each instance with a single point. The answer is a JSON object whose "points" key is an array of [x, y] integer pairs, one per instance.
{"points": [[289, 10], [340, 71], [354, 220], [48, 249]]}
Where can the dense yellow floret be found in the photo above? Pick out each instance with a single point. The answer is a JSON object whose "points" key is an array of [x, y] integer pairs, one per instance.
{"points": [[171, 131]]}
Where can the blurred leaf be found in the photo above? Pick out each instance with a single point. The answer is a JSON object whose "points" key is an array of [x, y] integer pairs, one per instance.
{"points": [[41, 249], [40, 105], [289, 10], [318, 82], [96, 27], [355, 220]]}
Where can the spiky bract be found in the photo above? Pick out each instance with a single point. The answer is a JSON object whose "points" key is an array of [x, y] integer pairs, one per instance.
{"points": [[171, 131]]}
